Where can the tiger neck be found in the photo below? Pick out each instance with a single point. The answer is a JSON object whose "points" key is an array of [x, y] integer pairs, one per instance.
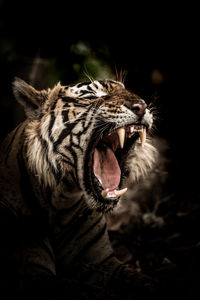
{"points": [[61, 196]]}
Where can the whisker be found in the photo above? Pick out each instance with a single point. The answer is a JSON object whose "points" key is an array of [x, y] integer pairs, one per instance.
{"points": [[86, 73]]}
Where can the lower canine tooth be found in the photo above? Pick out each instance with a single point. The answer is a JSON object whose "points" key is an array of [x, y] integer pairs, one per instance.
{"points": [[143, 136], [104, 193], [119, 193]]}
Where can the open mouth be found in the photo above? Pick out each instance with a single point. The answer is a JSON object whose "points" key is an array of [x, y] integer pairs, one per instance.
{"points": [[109, 156]]}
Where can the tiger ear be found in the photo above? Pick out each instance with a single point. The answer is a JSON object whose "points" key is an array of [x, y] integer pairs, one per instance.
{"points": [[31, 99]]}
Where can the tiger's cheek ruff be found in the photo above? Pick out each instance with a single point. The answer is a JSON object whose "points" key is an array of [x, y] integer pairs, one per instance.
{"points": [[140, 162], [42, 160]]}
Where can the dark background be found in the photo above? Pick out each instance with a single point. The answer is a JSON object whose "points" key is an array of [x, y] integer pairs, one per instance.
{"points": [[156, 44]]}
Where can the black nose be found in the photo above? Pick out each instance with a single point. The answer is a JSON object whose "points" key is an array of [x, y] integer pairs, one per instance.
{"points": [[139, 108]]}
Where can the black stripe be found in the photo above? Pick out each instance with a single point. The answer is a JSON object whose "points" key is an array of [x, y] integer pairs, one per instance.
{"points": [[64, 134], [85, 128], [48, 249], [74, 178], [107, 258], [72, 152], [83, 83], [72, 207], [74, 114], [72, 100], [73, 227], [68, 163], [53, 170], [67, 160], [68, 99], [68, 184], [96, 86], [36, 264], [76, 104], [51, 123], [113, 110], [92, 241], [65, 115], [90, 228], [90, 89], [90, 97], [77, 146], [83, 92], [58, 172], [103, 83]]}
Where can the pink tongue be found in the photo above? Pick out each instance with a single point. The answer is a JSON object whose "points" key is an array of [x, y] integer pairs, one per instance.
{"points": [[106, 168]]}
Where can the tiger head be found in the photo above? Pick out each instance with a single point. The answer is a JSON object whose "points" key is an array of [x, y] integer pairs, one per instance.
{"points": [[90, 135]]}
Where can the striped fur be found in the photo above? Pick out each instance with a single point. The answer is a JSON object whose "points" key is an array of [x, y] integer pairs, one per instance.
{"points": [[46, 173]]}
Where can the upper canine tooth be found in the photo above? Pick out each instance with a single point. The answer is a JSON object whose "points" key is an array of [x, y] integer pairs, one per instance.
{"points": [[119, 193], [121, 133], [131, 129], [143, 136]]}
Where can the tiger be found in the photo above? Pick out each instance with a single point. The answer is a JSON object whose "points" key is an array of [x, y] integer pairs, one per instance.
{"points": [[62, 171]]}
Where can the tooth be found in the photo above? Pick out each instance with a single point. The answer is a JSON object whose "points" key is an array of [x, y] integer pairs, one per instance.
{"points": [[140, 128], [119, 193], [104, 193], [130, 135], [131, 129], [121, 133], [143, 136]]}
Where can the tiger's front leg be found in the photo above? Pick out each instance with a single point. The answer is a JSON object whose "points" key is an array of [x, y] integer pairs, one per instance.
{"points": [[86, 259]]}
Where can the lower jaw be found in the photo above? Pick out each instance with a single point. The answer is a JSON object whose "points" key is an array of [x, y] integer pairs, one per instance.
{"points": [[116, 193], [110, 196], [104, 204]]}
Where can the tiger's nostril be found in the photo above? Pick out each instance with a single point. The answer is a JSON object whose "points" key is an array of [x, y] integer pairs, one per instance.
{"points": [[139, 108]]}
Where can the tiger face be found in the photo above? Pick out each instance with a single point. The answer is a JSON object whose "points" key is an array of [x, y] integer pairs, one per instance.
{"points": [[89, 135]]}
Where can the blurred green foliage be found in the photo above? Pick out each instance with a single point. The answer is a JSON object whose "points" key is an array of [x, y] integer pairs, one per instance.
{"points": [[88, 64]]}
